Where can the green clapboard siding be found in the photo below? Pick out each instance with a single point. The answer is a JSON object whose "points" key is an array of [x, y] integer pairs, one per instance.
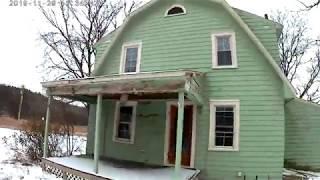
{"points": [[265, 30], [149, 134], [184, 42], [302, 134]]}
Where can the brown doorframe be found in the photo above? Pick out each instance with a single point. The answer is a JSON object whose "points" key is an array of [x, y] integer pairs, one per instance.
{"points": [[188, 134]]}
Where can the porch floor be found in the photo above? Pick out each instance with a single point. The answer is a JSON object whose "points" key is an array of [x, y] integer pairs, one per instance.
{"points": [[117, 170]]}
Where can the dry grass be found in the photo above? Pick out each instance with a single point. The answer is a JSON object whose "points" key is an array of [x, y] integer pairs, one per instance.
{"points": [[11, 123]]}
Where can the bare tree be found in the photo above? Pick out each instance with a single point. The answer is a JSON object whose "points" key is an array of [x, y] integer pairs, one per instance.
{"points": [[298, 59], [312, 5], [73, 32], [293, 42], [310, 89]]}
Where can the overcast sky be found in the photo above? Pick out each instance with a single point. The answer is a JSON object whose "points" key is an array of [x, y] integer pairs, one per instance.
{"points": [[21, 52]]}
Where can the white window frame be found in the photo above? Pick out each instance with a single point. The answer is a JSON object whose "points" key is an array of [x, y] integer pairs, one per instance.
{"points": [[173, 6], [117, 119], [236, 129], [125, 46], [233, 49]]}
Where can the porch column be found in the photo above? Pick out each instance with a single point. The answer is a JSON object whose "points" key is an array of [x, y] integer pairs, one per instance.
{"points": [[177, 167], [46, 129], [97, 133]]}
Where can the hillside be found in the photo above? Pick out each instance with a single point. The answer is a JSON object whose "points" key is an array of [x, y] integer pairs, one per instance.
{"points": [[34, 107]]}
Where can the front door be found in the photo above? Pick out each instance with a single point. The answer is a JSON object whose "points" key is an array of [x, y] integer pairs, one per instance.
{"points": [[187, 135]]}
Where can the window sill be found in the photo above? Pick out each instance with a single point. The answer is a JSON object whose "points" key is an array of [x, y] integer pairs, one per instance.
{"points": [[123, 141], [224, 67], [128, 73], [223, 149], [172, 15]]}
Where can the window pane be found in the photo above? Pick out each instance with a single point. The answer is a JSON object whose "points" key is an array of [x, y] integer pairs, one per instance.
{"points": [[124, 131], [126, 113], [228, 141], [131, 59], [175, 10], [219, 141], [223, 43], [224, 51], [224, 126], [224, 58]]}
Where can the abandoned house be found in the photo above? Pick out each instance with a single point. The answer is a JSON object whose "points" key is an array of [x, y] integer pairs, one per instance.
{"points": [[190, 90]]}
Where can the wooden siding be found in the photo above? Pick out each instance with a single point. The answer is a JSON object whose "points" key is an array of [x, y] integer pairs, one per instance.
{"points": [[302, 134], [265, 30], [184, 42], [149, 134]]}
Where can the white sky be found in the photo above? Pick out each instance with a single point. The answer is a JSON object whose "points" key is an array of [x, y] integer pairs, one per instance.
{"points": [[20, 46]]}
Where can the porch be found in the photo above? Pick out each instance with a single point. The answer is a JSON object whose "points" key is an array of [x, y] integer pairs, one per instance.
{"points": [[80, 168], [174, 87]]}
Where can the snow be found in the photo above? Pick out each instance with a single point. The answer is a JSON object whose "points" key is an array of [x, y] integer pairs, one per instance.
{"points": [[303, 174], [13, 170], [116, 172]]}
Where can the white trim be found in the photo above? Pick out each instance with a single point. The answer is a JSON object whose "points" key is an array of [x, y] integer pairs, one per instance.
{"points": [[133, 124], [117, 77], [174, 6], [123, 56], [236, 105], [233, 49], [167, 132]]}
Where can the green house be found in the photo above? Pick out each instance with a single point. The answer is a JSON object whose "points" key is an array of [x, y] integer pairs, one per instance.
{"points": [[199, 83]]}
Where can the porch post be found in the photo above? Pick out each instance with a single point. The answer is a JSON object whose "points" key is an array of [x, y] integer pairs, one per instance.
{"points": [[177, 167], [45, 143], [97, 133]]}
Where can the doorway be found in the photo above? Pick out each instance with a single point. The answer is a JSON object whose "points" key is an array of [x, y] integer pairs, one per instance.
{"points": [[187, 151]]}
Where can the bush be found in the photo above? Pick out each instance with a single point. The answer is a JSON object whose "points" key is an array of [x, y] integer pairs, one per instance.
{"points": [[27, 144]]}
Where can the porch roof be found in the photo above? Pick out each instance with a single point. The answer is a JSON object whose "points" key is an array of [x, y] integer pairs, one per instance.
{"points": [[152, 85]]}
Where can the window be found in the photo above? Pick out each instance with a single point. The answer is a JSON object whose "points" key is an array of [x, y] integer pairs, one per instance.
{"points": [[124, 123], [130, 60], [176, 10], [224, 51], [224, 125]]}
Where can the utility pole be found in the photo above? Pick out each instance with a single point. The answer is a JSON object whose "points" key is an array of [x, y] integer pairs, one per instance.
{"points": [[21, 101]]}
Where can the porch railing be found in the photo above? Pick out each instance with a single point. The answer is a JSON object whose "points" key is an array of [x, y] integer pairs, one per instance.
{"points": [[67, 173]]}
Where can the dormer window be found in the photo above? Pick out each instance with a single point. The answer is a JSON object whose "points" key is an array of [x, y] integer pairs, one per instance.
{"points": [[176, 10]]}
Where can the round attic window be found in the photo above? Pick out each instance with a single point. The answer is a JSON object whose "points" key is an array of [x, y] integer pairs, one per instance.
{"points": [[176, 10]]}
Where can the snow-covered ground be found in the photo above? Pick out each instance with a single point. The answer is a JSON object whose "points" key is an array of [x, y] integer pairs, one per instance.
{"points": [[12, 170], [303, 174]]}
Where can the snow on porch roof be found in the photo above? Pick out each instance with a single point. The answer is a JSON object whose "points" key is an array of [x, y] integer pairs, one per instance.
{"points": [[142, 83]]}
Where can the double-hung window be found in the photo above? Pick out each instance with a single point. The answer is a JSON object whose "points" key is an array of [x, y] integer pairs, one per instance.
{"points": [[224, 125], [224, 50], [130, 58], [124, 123]]}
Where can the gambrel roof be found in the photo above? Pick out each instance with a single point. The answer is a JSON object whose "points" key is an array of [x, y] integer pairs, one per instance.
{"points": [[236, 14]]}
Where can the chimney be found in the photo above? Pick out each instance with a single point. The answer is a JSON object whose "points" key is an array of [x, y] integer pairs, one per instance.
{"points": [[266, 16]]}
